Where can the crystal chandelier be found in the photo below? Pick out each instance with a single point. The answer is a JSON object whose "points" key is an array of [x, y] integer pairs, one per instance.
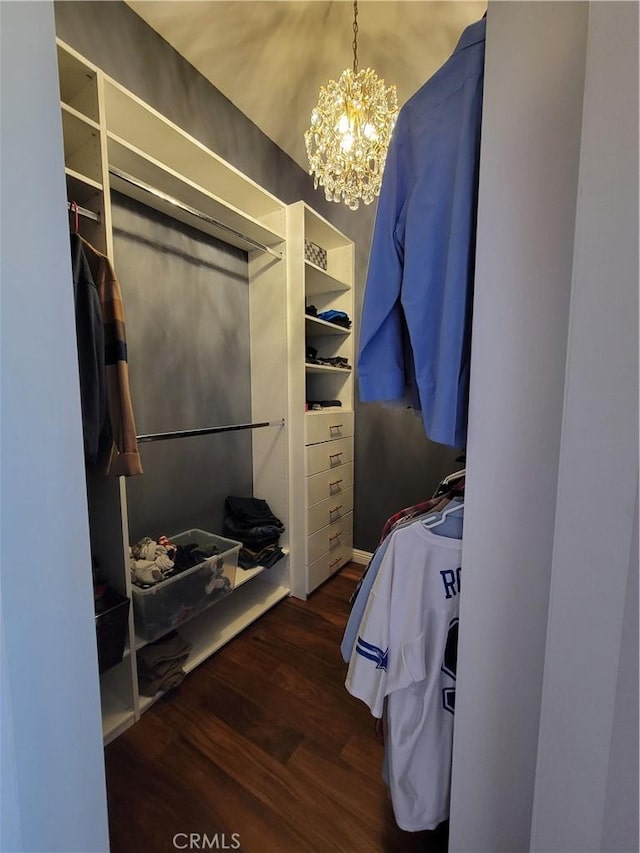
{"points": [[350, 130]]}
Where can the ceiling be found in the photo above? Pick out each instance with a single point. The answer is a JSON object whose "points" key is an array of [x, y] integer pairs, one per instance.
{"points": [[270, 58]]}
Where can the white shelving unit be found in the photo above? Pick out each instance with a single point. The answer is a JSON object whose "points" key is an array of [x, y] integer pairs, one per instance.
{"points": [[321, 478], [113, 140]]}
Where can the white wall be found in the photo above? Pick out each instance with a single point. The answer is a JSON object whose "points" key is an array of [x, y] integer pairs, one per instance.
{"points": [[620, 823], [598, 477], [52, 780], [534, 78]]}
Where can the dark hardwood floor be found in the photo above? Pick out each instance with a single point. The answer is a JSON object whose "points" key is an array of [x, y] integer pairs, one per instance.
{"points": [[262, 740]]}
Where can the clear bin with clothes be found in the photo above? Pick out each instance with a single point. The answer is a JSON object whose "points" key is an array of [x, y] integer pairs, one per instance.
{"points": [[161, 607]]}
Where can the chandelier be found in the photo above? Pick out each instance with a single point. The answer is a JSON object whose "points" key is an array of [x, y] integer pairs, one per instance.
{"points": [[350, 130]]}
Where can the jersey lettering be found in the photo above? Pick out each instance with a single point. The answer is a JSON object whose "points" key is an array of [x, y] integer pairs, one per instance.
{"points": [[451, 581]]}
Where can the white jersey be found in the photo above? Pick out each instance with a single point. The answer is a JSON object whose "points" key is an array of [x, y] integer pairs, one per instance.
{"points": [[406, 652]]}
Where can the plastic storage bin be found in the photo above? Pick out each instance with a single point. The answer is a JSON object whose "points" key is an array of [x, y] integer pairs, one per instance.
{"points": [[162, 607], [112, 614]]}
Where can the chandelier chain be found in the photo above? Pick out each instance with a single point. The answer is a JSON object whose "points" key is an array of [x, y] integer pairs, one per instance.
{"points": [[355, 36]]}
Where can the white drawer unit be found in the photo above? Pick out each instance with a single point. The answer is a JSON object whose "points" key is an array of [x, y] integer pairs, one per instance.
{"points": [[328, 454], [321, 268], [329, 538], [329, 563], [329, 510], [327, 426], [329, 484]]}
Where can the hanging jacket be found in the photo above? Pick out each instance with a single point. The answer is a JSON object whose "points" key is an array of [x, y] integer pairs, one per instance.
{"points": [[121, 457], [90, 339]]}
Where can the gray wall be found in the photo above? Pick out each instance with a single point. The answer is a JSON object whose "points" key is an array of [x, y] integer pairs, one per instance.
{"points": [[118, 41], [52, 787], [187, 301], [534, 82]]}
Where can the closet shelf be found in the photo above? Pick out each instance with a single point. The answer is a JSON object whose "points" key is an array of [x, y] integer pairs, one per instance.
{"points": [[78, 81], [213, 628], [116, 716], [319, 281], [78, 130], [138, 176], [80, 117], [325, 368], [321, 231], [81, 188], [316, 326], [145, 129]]}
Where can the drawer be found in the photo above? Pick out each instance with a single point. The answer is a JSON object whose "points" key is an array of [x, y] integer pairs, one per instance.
{"points": [[328, 564], [329, 484], [329, 510], [329, 538], [328, 454], [327, 426]]}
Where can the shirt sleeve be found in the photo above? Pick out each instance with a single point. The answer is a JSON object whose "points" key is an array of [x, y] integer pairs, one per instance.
{"points": [[381, 374], [377, 666]]}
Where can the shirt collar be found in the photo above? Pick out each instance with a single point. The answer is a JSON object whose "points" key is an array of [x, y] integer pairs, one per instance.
{"points": [[472, 35]]}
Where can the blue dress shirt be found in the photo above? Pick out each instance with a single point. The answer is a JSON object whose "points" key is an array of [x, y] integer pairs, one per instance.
{"points": [[416, 319]]}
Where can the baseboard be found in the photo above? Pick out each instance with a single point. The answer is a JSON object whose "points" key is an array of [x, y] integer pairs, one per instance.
{"points": [[361, 557]]}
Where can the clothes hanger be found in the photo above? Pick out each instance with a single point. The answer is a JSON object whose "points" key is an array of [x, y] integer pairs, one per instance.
{"points": [[455, 507], [76, 217]]}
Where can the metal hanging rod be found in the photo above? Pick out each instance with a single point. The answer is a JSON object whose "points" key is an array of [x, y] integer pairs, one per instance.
{"points": [[82, 211], [129, 179], [188, 433]]}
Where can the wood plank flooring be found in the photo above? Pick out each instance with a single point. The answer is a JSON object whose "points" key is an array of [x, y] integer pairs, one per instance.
{"points": [[261, 740]]}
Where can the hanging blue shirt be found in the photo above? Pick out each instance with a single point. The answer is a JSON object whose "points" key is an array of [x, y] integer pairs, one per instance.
{"points": [[416, 318]]}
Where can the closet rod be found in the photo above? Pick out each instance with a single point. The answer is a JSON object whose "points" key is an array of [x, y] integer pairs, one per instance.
{"points": [[188, 433], [82, 211], [190, 210]]}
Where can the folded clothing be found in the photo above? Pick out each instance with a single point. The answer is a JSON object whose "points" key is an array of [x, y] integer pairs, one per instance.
{"points": [[338, 318], [249, 511], [323, 404], [160, 664], [251, 521], [249, 559]]}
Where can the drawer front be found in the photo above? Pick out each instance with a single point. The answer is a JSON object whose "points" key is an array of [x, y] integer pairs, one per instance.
{"points": [[328, 564], [328, 454], [329, 510], [327, 426], [329, 538], [329, 484]]}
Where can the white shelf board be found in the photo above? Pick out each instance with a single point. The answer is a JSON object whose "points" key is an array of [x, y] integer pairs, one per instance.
{"points": [[219, 624], [312, 413], [325, 368], [77, 80], [315, 326], [135, 122], [136, 163], [77, 130], [320, 231], [81, 188], [245, 575], [319, 281], [229, 618], [116, 715], [68, 110], [140, 643], [81, 143]]}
